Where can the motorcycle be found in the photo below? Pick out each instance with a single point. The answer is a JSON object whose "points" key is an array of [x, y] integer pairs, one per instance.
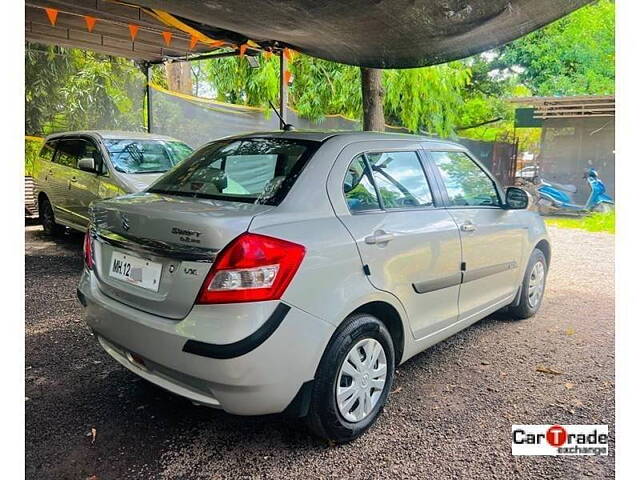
{"points": [[557, 198]]}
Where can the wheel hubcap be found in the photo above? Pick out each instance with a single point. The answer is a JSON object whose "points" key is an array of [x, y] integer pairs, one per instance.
{"points": [[361, 380], [536, 284]]}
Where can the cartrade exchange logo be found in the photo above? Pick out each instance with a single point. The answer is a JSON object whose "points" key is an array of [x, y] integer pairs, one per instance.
{"points": [[559, 440]]}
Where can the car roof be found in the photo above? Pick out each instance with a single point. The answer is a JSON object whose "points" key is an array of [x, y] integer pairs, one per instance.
{"points": [[113, 134], [348, 136]]}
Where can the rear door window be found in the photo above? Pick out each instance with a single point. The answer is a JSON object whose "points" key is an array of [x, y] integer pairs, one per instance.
{"points": [[389, 180], [401, 180], [465, 182], [359, 191]]}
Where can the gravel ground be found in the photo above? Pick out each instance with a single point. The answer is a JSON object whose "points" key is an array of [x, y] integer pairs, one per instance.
{"points": [[449, 416]]}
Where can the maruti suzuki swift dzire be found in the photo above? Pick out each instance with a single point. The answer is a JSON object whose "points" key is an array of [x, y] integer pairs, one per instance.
{"points": [[292, 272]]}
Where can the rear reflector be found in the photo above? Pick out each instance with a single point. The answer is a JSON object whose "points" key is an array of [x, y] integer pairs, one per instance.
{"points": [[251, 268], [88, 250]]}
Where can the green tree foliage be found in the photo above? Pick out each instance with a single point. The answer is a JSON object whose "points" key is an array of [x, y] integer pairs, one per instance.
{"points": [[69, 89], [325, 88], [573, 56], [31, 149], [426, 99], [422, 99], [234, 81]]}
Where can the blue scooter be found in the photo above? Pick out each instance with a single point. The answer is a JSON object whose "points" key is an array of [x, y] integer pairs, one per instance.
{"points": [[556, 198]]}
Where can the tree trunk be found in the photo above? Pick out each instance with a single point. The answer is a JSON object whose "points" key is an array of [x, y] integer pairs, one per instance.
{"points": [[179, 77], [372, 96]]}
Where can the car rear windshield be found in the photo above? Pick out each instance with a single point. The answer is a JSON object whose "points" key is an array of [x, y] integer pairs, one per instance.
{"points": [[146, 156], [251, 170]]}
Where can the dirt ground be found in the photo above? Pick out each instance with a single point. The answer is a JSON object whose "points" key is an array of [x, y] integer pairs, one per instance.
{"points": [[449, 416]]}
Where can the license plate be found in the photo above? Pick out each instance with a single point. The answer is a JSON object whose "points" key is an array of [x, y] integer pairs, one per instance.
{"points": [[135, 270]]}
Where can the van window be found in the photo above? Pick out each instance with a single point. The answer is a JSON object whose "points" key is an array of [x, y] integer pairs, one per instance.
{"points": [[145, 156], [69, 152], [48, 149], [72, 150]]}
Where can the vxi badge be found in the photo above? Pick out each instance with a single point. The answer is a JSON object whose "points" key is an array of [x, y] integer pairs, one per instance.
{"points": [[559, 439]]}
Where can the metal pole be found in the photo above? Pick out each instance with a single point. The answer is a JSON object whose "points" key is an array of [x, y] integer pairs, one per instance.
{"points": [[148, 93], [283, 90]]}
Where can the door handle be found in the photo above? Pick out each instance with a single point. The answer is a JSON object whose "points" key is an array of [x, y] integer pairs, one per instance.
{"points": [[468, 227], [379, 237]]}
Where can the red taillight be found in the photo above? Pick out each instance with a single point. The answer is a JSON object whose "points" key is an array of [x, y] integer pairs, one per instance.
{"points": [[88, 250], [252, 268]]}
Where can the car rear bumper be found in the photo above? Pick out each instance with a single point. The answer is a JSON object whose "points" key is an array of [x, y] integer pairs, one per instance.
{"points": [[200, 356]]}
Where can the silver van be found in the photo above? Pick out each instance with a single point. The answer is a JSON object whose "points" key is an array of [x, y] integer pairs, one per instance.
{"points": [[75, 168], [293, 272]]}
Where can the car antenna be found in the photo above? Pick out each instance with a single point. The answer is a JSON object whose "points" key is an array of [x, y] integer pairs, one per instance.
{"points": [[287, 127]]}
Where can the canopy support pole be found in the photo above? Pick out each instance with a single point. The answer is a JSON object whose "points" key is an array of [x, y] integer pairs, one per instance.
{"points": [[148, 93], [284, 93]]}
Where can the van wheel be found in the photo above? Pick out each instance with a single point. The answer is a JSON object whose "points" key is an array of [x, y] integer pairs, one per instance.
{"points": [[353, 380], [603, 208], [532, 289], [48, 219]]}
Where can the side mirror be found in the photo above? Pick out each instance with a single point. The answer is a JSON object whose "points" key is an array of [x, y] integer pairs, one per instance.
{"points": [[516, 199], [87, 165]]}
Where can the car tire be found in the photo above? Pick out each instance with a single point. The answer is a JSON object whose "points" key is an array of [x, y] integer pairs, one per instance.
{"points": [[531, 291], [362, 334], [48, 219]]}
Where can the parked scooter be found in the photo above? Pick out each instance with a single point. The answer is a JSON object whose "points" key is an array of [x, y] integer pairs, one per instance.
{"points": [[557, 198]]}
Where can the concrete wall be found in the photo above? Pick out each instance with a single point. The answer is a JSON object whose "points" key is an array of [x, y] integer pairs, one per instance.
{"points": [[572, 145]]}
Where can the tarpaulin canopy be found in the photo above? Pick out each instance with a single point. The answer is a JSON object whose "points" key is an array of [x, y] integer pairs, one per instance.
{"points": [[371, 33], [108, 27]]}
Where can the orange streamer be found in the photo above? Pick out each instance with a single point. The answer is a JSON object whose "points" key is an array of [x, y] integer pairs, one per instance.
{"points": [[52, 13], [167, 38], [91, 22], [133, 30], [193, 42]]}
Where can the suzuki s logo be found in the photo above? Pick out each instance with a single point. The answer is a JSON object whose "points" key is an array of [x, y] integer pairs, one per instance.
{"points": [[125, 223]]}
